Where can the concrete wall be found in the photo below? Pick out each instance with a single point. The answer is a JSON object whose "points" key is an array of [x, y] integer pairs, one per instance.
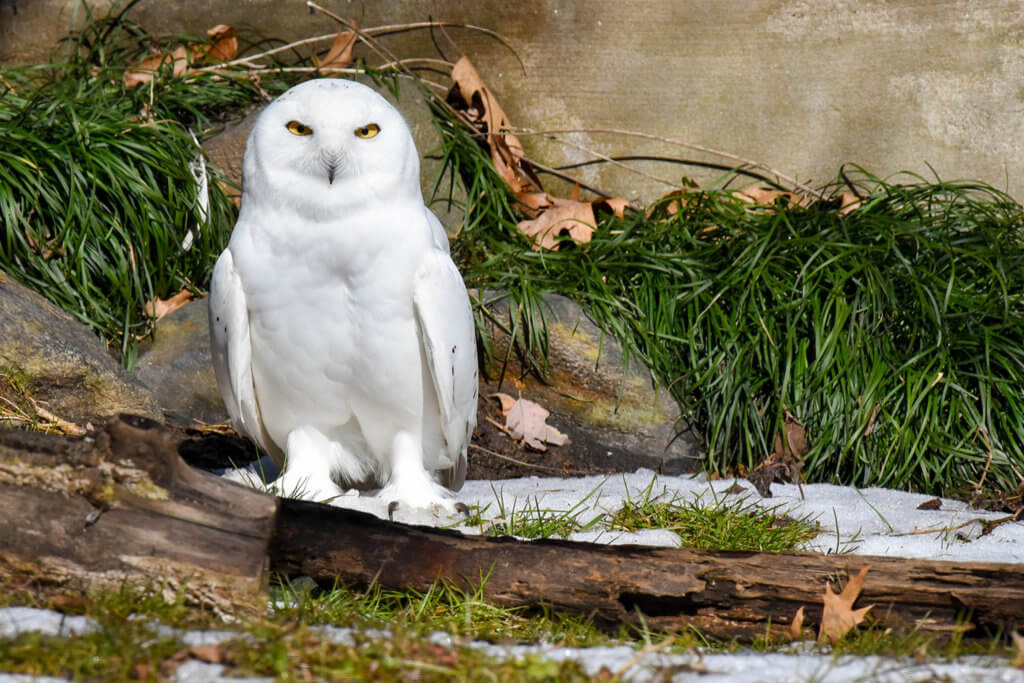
{"points": [[800, 85]]}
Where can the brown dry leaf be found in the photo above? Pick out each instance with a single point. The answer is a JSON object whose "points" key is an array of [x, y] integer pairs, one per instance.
{"points": [[767, 197], [796, 627], [931, 504], [1018, 647], [506, 402], [161, 307], [795, 446], [617, 205], [143, 71], [340, 54], [577, 218], [506, 150], [527, 420], [848, 202], [839, 616], [224, 44], [211, 654], [533, 203], [223, 47]]}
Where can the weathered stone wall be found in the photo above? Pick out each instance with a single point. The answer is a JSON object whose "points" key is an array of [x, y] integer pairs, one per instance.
{"points": [[800, 85]]}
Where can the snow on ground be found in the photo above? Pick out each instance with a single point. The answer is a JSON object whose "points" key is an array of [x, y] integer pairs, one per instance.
{"points": [[632, 665], [864, 521]]}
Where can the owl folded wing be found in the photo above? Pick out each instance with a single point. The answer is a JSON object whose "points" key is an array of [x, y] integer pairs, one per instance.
{"points": [[232, 352], [445, 321]]}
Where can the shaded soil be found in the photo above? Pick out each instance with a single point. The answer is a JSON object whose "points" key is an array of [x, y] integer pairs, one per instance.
{"points": [[493, 454]]}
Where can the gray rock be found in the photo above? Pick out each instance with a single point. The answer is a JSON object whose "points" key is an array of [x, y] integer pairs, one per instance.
{"points": [[611, 409], [177, 367], [60, 363]]}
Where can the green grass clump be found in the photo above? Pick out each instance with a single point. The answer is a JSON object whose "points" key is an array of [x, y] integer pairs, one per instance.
{"points": [[533, 521], [96, 191], [894, 334], [720, 526]]}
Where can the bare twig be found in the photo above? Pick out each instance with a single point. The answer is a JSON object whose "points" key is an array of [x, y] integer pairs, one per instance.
{"points": [[522, 463], [782, 177], [372, 31], [650, 648], [63, 425], [610, 160]]}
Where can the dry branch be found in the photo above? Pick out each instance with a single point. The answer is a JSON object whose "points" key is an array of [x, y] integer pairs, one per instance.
{"points": [[726, 594]]}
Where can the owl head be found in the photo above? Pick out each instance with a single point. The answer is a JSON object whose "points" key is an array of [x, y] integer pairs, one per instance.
{"points": [[326, 143]]}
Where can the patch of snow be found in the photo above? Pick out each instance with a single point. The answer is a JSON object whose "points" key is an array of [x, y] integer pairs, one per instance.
{"points": [[17, 620]]}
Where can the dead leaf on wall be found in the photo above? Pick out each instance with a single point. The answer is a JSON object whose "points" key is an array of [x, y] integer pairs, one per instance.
{"points": [[340, 54], [839, 616], [506, 150], [527, 420], [223, 47]]}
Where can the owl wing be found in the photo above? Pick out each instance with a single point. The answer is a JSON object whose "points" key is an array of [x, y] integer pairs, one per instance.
{"points": [[232, 352], [445, 321]]}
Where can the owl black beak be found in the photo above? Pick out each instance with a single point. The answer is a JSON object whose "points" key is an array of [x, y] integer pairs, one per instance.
{"points": [[331, 170]]}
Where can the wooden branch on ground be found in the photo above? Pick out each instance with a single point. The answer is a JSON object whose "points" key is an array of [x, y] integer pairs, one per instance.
{"points": [[122, 505], [725, 594]]}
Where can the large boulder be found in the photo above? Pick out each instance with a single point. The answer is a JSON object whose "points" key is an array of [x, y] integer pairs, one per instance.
{"points": [[177, 367], [57, 362], [616, 417]]}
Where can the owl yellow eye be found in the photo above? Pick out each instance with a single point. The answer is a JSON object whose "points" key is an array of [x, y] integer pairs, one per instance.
{"points": [[296, 128], [367, 131]]}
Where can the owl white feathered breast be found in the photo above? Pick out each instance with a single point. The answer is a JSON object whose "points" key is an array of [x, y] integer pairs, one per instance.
{"points": [[342, 333]]}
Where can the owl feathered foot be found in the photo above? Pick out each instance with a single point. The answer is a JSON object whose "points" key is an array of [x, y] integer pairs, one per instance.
{"points": [[412, 488]]}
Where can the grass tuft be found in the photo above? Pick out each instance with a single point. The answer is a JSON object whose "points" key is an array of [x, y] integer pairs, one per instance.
{"points": [[893, 333], [96, 191]]}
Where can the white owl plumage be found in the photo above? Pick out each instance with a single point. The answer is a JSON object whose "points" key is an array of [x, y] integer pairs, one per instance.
{"points": [[342, 333]]}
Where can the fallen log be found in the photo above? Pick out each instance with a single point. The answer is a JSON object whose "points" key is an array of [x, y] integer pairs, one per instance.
{"points": [[724, 594], [123, 505]]}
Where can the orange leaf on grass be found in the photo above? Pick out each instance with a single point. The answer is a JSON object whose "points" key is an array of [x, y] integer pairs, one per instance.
{"points": [[564, 215], [223, 47]]}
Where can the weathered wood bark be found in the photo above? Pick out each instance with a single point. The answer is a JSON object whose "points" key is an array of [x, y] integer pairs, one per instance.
{"points": [[123, 505], [727, 594]]}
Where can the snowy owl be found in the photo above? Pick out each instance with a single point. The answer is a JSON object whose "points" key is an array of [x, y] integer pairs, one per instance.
{"points": [[342, 333]]}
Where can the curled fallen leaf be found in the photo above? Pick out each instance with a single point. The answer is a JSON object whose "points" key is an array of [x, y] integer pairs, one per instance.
{"points": [[796, 627], [160, 307], [340, 54], [469, 90], [839, 616], [564, 215], [527, 420], [223, 47]]}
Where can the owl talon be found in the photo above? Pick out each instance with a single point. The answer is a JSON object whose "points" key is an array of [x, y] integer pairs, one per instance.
{"points": [[392, 508], [462, 509]]}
